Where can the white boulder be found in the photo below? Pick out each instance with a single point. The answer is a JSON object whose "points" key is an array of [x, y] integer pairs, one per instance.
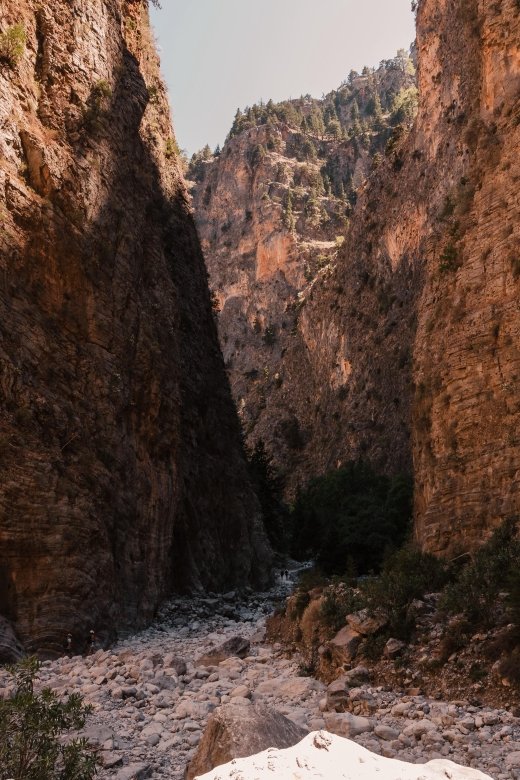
{"points": [[328, 756]]}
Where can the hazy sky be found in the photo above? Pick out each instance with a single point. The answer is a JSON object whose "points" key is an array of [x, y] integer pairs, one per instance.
{"points": [[218, 55]]}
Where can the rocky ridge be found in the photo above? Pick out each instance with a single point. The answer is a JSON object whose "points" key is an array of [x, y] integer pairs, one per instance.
{"points": [[271, 209], [152, 698], [123, 475]]}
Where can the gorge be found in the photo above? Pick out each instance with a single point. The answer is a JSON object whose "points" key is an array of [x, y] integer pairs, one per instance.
{"points": [[393, 339], [365, 266]]}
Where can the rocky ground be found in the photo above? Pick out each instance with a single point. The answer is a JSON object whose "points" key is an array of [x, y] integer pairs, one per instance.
{"points": [[153, 692]]}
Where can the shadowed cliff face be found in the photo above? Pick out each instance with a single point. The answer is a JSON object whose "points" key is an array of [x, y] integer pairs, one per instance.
{"points": [[122, 470]]}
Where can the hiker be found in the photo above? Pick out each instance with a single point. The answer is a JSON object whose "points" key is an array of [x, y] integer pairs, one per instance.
{"points": [[67, 646], [91, 640]]}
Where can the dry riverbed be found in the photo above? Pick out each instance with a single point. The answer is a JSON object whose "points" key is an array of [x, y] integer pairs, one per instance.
{"points": [[151, 698]]}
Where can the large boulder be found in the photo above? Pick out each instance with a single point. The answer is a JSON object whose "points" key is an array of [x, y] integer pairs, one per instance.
{"points": [[365, 623], [338, 694], [236, 646], [345, 645], [11, 649], [344, 724], [235, 731], [325, 755]]}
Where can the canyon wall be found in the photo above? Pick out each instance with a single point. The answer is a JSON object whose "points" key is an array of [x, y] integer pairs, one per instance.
{"points": [[466, 439], [272, 210], [404, 347], [122, 470]]}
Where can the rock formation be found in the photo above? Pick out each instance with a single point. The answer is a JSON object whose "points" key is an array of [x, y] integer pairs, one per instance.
{"points": [[122, 470], [466, 410], [405, 349], [271, 210], [236, 731], [322, 754]]}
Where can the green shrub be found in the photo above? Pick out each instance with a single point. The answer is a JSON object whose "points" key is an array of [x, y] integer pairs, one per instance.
{"points": [[339, 602], [354, 514], [449, 258], [12, 45], [474, 592], [97, 104], [510, 667], [407, 575], [171, 148], [31, 729]]}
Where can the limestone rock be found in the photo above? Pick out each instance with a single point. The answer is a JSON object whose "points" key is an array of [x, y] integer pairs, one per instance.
{"points": [[347, 725], [366, 624], [235, 646], [234, 731], [325, 755], [345, 644], [11, 650], [123, 474], [338, 694], [393, 648]]}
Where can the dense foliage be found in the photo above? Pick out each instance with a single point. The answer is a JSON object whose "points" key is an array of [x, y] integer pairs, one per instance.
{"points": [[32, 726], [351, 517], [495, 567], [269, 491]]}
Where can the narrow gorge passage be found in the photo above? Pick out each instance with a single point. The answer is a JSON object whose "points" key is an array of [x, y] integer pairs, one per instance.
{"points": [[152, 698]]}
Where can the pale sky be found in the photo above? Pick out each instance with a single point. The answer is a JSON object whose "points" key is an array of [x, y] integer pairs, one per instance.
{"points": [[218, 55]]}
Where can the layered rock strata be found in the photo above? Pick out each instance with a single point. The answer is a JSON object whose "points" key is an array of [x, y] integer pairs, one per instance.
{"points": [[404, 350], [122, 471]]}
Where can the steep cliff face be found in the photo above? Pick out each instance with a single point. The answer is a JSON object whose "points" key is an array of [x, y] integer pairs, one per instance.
{"points": [[422, 305], [122, 470], [405, 346], [467, 359], [272, 210]]}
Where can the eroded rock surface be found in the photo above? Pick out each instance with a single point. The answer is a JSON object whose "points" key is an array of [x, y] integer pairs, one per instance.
{"points": [[122, 470], [235, 731], [325, 755], [150, 717]]}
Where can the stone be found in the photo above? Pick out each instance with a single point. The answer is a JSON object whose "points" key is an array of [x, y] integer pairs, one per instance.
{"points": [[337, 694], [235, 646], [386, 732], [393, 648], [344, 724], [242, 691], [330, 756], [293, 687], [233, 732], [512, 760], [357, 676], [178, 664], [344, 645], [364, 623], [418, 728], [134, 772]]}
